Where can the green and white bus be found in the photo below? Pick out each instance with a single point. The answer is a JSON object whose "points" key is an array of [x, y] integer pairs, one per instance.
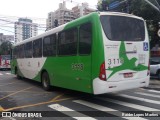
{"points": [[99, 53]]}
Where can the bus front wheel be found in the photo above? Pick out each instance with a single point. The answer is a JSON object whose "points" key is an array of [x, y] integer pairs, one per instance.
{"points": [[17, 73], [45, 81]]}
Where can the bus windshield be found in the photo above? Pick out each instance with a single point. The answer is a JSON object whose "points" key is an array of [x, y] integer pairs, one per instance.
{"points": [[120, 28]]}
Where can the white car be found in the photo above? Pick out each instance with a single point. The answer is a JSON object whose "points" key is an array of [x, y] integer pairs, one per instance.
{"points": [[155, 67]]}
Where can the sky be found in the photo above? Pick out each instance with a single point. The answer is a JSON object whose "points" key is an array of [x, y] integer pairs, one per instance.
{"points": [[37, 10]]}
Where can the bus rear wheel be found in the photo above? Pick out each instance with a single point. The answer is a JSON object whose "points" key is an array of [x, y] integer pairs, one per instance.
{"points": [[46, 81]]}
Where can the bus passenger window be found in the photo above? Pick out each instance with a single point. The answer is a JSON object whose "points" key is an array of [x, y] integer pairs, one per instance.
{"points": [[85, 39], [49, 45], [28, 50], [37, 48], [67, 43], [21, 51]]}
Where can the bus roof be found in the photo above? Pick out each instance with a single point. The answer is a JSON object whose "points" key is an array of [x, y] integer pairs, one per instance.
{"points": [[61, 27], [120, 14]]}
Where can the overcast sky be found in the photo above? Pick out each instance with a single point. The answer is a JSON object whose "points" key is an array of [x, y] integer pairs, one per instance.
{"points": [[33, 9]]}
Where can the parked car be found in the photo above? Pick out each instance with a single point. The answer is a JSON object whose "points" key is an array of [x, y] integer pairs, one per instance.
{"points": [[155, 67]]}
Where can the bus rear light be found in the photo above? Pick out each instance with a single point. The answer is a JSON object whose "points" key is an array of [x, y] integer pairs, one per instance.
{"points": [[102, 73]]}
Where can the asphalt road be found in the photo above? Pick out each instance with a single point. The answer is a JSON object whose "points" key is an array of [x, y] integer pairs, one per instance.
{"points": [[31, 101]]}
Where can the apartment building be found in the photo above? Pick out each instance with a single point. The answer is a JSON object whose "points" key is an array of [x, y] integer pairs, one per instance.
{"points": [[81, 10], [62, 15], [24, 29]]}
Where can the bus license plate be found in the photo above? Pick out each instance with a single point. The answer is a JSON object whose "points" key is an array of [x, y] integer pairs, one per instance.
{"points": [[128, 75]]}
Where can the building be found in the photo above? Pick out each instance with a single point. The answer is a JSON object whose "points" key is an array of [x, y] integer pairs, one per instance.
{"points": [[4, 38], [61, 16], [24, 29], [81, 10]]}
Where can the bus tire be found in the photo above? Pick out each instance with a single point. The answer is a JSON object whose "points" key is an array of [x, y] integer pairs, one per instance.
{"points": [[45, 81]]}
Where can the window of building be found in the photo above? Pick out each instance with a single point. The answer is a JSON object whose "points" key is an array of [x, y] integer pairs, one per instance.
{"points": [[28, 50], [67, 43], [49, 45], [37, 48], [85, 39]]}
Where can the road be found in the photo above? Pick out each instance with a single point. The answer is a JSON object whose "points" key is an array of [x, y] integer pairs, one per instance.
{"points": [[26, 96]]}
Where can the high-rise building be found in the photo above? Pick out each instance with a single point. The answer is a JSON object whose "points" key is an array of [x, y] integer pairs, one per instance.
{"points": [[24, 29], [61, 16], [81, 10]]}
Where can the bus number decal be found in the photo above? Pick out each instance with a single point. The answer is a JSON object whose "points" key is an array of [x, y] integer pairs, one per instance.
{"points": [[77, 66], [114, 61]]}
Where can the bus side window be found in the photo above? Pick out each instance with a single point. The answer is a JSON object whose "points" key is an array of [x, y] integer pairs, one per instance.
{"points": [[49, 45], [85, 39], [28, 50], [21, 51], [67, 42], [37, 48]]}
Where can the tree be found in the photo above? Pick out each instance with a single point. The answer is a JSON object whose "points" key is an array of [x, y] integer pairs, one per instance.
{"points": [[5, 48], [142, 9], [152, 17]]}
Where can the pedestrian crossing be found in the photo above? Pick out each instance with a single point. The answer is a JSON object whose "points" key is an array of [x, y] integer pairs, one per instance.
{"points": [[64, 110], [145, 102], [5, 74], [146, 94]]}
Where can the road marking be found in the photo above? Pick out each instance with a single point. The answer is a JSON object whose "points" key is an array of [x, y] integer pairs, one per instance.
{"points": [[15, 93], [8, 84], [146, 94], [1, 109], [154, 91], [106, 109], [58, 96], [37, 104], [131, 105], [141, 99], [1, 74], [65, 110]]}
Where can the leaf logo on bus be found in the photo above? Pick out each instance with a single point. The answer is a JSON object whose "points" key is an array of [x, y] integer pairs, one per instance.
{"points": [[128, 64]]}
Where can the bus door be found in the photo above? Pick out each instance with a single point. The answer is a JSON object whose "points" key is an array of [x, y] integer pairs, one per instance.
{"points": [[83, 65], [74, 59], [126, 48]]}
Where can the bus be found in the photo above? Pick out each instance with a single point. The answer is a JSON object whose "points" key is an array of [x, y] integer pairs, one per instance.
{"points": [[99, 53], [5, 62]]}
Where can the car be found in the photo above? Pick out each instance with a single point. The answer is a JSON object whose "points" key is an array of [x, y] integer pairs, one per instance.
{"points": [[155, 67]]}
